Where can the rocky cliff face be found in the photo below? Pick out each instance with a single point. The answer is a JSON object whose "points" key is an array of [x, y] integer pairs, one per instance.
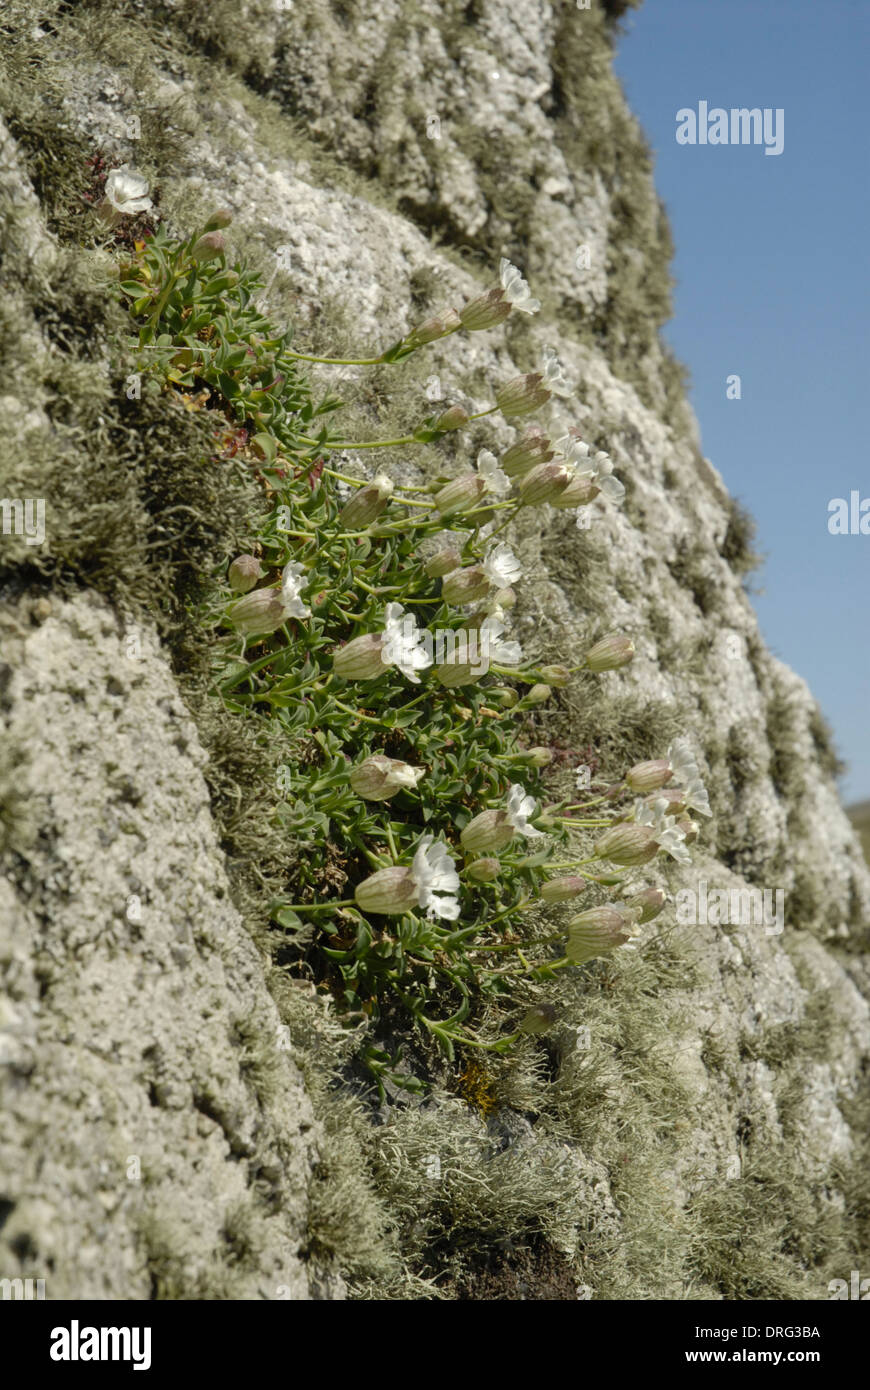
{"points": [[182, 1116]]}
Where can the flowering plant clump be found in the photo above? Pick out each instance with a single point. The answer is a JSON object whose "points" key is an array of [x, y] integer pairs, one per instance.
{"points": [[407, 783]]}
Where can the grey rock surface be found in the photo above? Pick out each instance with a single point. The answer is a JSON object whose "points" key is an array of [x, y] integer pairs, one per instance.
{"points": [[151, 1143]]}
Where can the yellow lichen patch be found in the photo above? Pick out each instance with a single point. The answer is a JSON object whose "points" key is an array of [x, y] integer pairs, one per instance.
{"points": [[475, 1086]]}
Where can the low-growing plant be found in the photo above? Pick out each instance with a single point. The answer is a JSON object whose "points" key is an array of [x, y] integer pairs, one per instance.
{"points": [[373, 625]]}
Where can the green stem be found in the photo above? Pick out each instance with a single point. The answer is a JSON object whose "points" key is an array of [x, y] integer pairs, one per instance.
{"points": [[320, 907], [174, 277], [584, 805], [369, 444], [335, 361], [348, 709]]}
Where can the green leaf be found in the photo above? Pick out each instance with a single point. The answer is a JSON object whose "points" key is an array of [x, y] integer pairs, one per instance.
{"points": [[286, 917], [534, 861], [268, 445]]}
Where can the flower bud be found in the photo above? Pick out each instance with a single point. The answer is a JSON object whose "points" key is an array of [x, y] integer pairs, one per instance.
{"points": [[389, 892], [258, 613], [689, 829], [443, 562], [207, 247], [439, 326], [578, 493], [527, 453], [522, 395], [543, 483], [461, 494], [452, 419], [649, 903], [627, 844], [537, 695], [536, 757], [594, 932], [504, 695], [674, 796], [244, 573], [379, 777], [454, 673], [366, 504], [491, 830], [610, 653], [649, 776], [465, 586], [556, 675], [485, 311], [360, 659], [539, 1019], [562, 890], [222, 218], [484, 870]]}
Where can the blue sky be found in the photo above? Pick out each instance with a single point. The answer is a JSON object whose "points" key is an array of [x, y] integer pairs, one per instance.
{"points": [[772, 284]]}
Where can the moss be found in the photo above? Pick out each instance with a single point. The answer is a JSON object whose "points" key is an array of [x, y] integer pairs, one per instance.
{"points": [[693, 570], [615, 729], [165, 1263], [807, 1040], [738, 543], [852, 1178], [823, 742], [259, 1062], [786, 765], [508, 1270], [743, 757], [18, 822], [860, 817], [768, 1234]]}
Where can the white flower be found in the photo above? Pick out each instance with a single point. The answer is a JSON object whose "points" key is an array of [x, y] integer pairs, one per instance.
{"points": [[604, 479], [685, 769], [492, 647], [696, 798], [402, 639], [516, 290], [573, 450], [519, 808], [668, 834], [384, 484], [599, 470], [403, 775], [496, 481], [293, 581], [127, 190], [501, 567], [554, 379], [436, 878]]}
